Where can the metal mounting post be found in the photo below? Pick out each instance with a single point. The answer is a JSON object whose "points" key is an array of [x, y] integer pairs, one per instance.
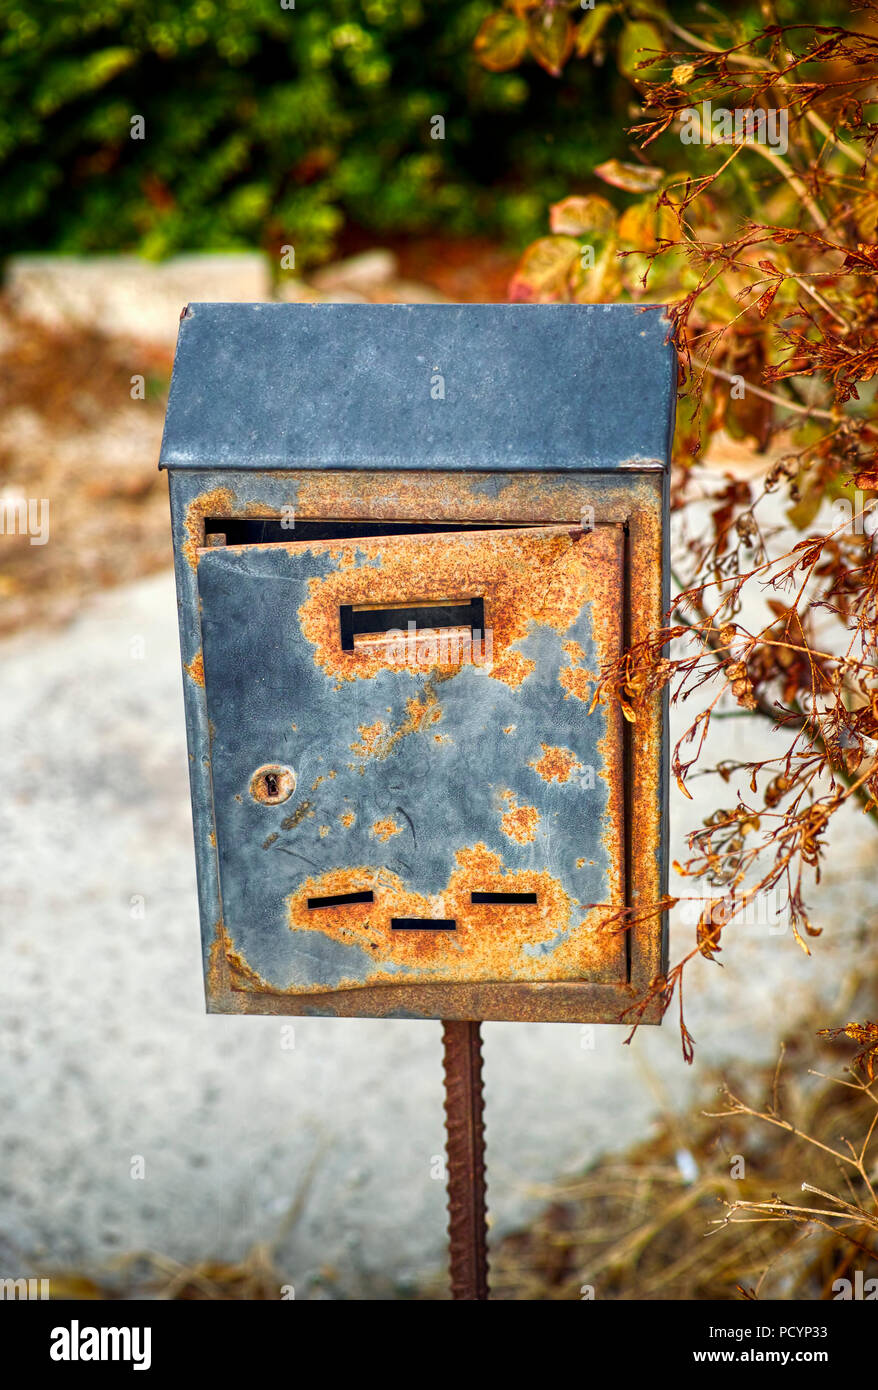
{"points": [[464, 1122]]}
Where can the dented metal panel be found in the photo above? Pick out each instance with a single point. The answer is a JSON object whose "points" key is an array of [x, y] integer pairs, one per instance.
{"points": [[633, 504], [427, 767]]}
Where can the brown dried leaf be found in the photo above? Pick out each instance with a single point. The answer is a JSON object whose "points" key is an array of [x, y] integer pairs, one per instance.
{"points": [[709, 928], [865, 1033], [767, 299]]}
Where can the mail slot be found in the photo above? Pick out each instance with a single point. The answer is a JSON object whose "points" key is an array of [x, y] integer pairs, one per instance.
{"points": [[408, 540]]}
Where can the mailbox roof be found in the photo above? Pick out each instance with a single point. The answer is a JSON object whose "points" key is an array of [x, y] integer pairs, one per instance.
{"points": [[528, 387]]}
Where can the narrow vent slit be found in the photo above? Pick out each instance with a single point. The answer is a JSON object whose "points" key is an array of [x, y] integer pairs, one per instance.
{"points": [[503, 897], [341, 899], [423, 924]]}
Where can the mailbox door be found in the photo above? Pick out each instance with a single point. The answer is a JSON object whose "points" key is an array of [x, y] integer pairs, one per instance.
{"points": [[409, 781]]}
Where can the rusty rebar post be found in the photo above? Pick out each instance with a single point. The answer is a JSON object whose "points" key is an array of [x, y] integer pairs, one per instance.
{"points": [[464, 1122]]}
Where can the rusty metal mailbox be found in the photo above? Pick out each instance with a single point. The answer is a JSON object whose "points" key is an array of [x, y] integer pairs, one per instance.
{"points": [[407, 539]]}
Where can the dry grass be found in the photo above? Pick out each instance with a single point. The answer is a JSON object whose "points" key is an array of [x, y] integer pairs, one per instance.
{"points": [[713, 1207], [70, 433]]}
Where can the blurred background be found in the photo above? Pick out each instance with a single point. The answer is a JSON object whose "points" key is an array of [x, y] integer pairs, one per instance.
{"points": [[357, 151]]}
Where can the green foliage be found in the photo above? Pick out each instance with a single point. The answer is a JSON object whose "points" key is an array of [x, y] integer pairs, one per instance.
{"points": [[266, 125]]}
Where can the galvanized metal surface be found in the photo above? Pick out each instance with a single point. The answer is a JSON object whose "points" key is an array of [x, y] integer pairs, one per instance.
{"points": [[630, 505], [436, 386], [465, 1147]]}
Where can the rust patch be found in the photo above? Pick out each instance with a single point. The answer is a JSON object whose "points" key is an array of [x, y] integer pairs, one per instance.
{"points": [[269, 841], [518, 822], [216, 974], [521, 498], [419, 714], [347, 819], [524, 576], [195, 669], [301, 811], [556, 764], [513, 668], [576, 682], [242, 975], [219, 502], [383, 829], [488, 942], [576, 678], [378, 740], [370, 737], [645, 532]]}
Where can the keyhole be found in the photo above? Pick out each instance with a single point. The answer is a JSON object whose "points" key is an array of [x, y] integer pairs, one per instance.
{"points": [[272, 783]]}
